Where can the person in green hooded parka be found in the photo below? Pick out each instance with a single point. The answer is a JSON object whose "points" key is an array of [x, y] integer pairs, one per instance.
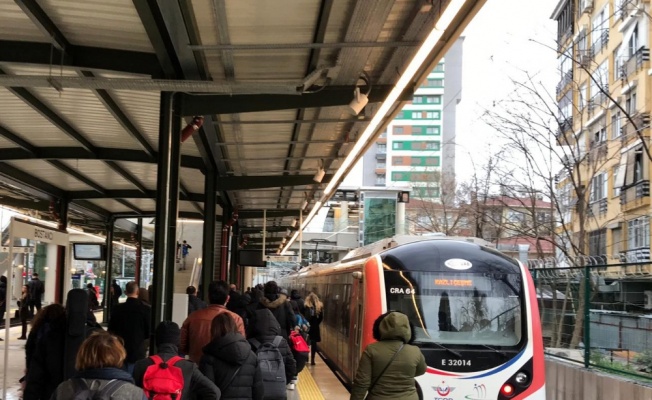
{"points": [[393, 334]]}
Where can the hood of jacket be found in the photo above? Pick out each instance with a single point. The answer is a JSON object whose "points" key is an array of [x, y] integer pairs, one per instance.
{"points": [[232, 348], [395, 326], [265, 323], [106, 374], [274, 303]]}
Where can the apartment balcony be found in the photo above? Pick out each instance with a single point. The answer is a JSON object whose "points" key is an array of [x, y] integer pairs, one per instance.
{"points": [[635, 255], [598, 208], [565, 125], [635, 196], [593, 105], [629, 130], [381, 155], [566, 80], [597, 152], [624, 8], [600, 43], [564, 37], [637, 62]]}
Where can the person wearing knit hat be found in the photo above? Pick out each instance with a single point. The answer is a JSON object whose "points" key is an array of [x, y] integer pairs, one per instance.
{"points": [[196, 385]]}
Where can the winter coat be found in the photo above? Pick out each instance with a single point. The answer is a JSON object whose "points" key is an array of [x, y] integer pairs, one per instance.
{"points": [[282, 311], [3, 296], [96, 379], [44, 355], [36, 290], [397, 382], [222, 358], [196, 330], [265, 329], [196, 385], [131, 321], [314, 319], [195, 303]]}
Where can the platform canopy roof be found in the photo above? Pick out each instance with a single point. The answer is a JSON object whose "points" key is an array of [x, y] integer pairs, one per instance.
{"points": [[81, 83]]}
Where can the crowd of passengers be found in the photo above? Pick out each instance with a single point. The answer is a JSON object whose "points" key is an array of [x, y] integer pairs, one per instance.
{"points": [[249, 345]]}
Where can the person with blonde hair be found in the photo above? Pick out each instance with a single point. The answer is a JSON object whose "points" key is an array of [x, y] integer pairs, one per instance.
{"points": [[99, 362], [314, 309]]}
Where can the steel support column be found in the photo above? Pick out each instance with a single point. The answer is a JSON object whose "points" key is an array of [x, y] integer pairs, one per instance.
{"points": [[167, 207], [139, 251], [224, 246], [208, 245], [108, 278], [62, 210]]}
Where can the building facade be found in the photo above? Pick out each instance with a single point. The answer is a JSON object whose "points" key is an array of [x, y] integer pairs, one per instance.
{"points": [[418, 149], [604, 115]]}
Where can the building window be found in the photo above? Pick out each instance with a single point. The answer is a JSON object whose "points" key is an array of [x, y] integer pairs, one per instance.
{"points": [[583, 97], [400, 115], [381, 165], [417, 130], [397, 160], [432, 161], [615, 125], [380, 179], [417, 115], [618, 64], [638, 233], [436, 146], [632, 43], [433, 130], [616, 187], [439, 68], [398, 130], [433, 115], [600, 136], [433, 99], [417, 99], [630, 103], [598, 242], [397, 145], [599, 187], [381, 148], [433, 83], [638, 166]]}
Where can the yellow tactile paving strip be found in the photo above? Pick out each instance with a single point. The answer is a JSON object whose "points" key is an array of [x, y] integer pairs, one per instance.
{"points": [[307, 387]]}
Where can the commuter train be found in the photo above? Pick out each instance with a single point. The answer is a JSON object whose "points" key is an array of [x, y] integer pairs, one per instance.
{"points": [[474, 311]]}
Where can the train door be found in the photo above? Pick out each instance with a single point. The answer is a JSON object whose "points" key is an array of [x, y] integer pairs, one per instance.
{"points": [[355, 340]]}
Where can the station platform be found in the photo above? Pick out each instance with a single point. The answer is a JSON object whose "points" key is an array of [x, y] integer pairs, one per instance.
{"points": [[316, 382]]}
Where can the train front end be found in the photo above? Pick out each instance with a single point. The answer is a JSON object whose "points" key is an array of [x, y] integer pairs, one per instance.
{"points": [[475, 316]]}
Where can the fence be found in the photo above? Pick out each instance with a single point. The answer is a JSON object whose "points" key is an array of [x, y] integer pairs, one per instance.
{"points": [[597, 313]]}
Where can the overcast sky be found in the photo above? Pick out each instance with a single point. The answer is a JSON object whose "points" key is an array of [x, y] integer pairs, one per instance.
{"points": [[506, 38]]}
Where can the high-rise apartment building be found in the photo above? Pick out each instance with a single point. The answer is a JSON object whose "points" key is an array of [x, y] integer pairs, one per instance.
{"points": [[418, 149], [604, 112]]}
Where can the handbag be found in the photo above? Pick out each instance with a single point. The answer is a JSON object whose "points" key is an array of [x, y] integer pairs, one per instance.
{"points": [[383, 371]]}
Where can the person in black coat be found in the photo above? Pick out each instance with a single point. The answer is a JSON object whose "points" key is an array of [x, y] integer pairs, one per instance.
{"points": [[314, 312], [229, 362], [194, 302], [130, 320], [3, 296], [264, 330], [277, 302], [196, 385]]}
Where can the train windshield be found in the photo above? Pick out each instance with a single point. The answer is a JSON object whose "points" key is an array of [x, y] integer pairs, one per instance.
{"points": [[482, 309]]}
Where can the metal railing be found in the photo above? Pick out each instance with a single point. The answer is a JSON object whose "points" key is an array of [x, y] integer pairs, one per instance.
{"points": [[597, 311]]}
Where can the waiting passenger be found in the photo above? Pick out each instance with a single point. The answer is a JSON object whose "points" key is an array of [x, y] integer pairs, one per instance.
{"points": [[314, 310], [229, 362], [196, 329], [98, 361], [194, 302], [277, 302], [266, 330], [387, 368], [131, 320], [23, 311], [195, 385]]}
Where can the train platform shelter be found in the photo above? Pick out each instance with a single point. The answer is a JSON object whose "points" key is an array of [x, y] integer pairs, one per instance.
{"points": [[246, 115]]}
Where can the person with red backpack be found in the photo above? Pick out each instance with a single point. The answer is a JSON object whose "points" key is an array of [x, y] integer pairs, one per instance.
{"points": [[169, 376]]}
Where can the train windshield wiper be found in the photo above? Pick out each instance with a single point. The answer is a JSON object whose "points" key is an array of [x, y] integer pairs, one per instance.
{"points": [[495, 350], [453, 352]]}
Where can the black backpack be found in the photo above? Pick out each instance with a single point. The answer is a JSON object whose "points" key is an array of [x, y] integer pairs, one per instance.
{"points": [[272, 367], [83, 392]]}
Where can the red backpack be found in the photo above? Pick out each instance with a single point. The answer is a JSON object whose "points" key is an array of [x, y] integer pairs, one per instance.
{"points": [[163, 380], [298, 343]]}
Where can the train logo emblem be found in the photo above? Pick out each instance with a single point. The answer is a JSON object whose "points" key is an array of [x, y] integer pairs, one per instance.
{"points": [[443, 389], [479, 393], [458, 264]]}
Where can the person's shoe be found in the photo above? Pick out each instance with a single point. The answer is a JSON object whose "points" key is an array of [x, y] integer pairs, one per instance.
{"points": [[291, 386], [2, 340], [312, 362], [22, 338]]}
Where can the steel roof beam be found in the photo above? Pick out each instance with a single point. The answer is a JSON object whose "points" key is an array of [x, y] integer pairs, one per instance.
{"points": [[263, 181], [329, 96], [23, 179], [36, 14], [78, 153], [78, 175], [121, 117], [183, 192], [24, 144], [126, 175], [245, 230], [80, 57], [128, 194]]}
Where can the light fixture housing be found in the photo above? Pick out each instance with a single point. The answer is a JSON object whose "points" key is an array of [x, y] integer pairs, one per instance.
{"points": [[319, 176], [359, 101]]}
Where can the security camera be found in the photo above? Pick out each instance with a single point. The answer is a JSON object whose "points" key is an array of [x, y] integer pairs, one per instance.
{"points": [[359, 101]]}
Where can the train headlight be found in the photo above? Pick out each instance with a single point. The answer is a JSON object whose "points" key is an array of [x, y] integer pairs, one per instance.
{"points": [[521, 378]]}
